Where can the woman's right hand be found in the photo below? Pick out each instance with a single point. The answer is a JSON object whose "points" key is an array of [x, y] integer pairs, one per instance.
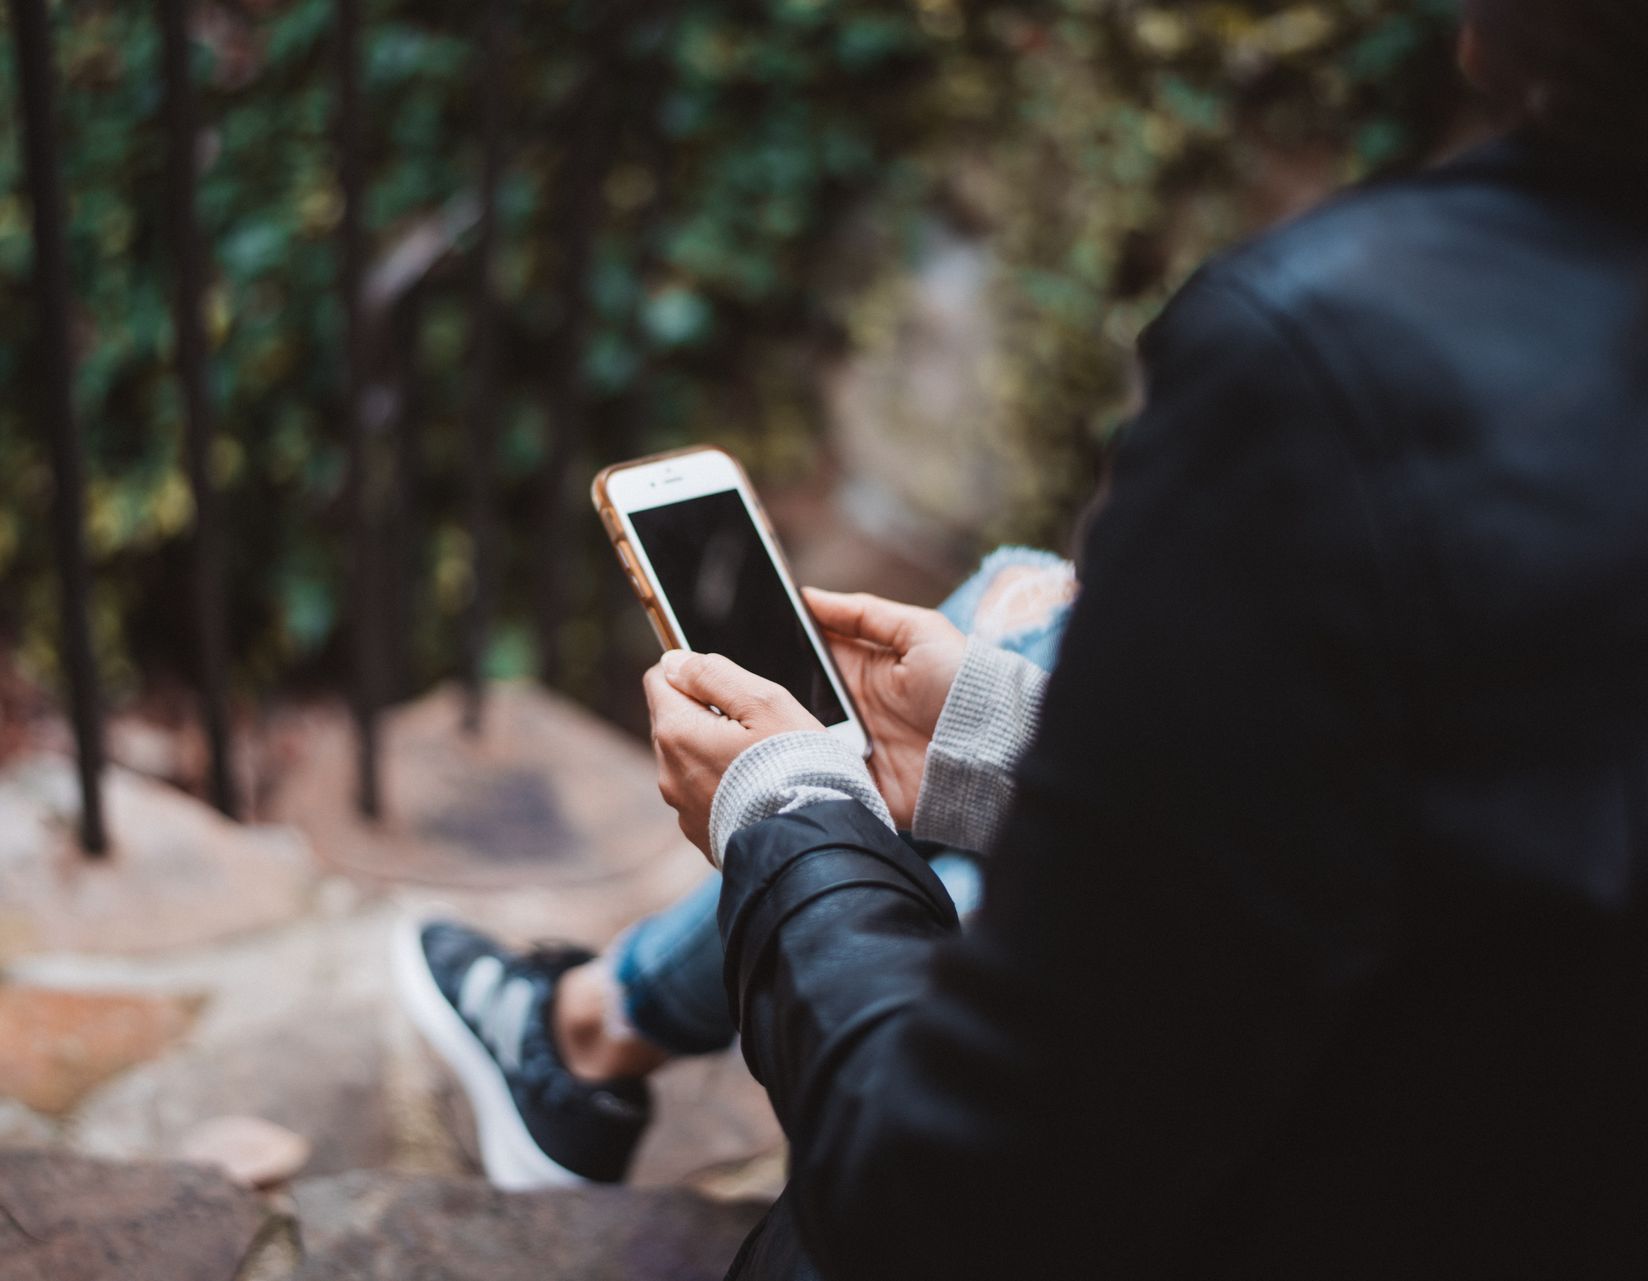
{"points": [[899, 662]]}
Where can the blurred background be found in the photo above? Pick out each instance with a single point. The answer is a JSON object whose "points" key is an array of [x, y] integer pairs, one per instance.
{"points": [[349, 299], [893, 254]]}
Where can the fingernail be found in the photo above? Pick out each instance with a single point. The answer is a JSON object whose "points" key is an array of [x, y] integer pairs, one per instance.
{"points": [[672, 660]]}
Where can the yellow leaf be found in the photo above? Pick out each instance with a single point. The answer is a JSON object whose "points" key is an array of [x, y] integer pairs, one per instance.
{"points": [[171, 505], [1162, 33]]}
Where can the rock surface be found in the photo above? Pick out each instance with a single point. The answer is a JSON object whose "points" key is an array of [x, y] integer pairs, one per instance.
{"points": [[55, 1046], [253, 1152], [320, 1077], [371, 1227], [709, 1113], [179, 873], [21, 1128], [549, 826], [546, 794], [66, 1218]]}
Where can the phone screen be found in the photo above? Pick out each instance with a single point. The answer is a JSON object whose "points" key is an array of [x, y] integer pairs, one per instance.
{"points": [[728, 598]]}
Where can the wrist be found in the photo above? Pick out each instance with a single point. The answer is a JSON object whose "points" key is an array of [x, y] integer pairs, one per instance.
{"points": [[783, 772]]}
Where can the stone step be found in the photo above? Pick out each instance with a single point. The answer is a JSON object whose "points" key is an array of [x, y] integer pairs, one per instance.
{"points": [[178, 875], [367, 1226], [71, 1218]]}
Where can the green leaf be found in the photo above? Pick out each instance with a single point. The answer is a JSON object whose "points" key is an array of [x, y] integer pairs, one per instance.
{"points": [[866, 42], [611, 362], [255, 249], [677, 318], [307, 611]]}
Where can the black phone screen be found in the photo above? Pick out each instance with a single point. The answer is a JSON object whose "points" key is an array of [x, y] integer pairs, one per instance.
{"points": [[727, 596]]}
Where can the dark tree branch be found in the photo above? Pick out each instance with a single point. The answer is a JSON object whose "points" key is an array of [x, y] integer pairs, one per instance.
{"points": [[55, 406], [210, 609]]}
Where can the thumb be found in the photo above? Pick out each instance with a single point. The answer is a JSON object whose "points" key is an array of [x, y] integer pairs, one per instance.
{"points": [[861, 616], [717, 681]]}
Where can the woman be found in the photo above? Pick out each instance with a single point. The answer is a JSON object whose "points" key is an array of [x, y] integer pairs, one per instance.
{"points": [[1317, 942]]}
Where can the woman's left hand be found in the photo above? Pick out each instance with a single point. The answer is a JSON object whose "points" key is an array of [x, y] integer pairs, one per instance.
{"points": [[694, 746]]}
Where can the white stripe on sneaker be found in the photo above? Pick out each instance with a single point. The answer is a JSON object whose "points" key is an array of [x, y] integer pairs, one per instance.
{"points": [[509, 1154], [476, 988], [504, 1022]]}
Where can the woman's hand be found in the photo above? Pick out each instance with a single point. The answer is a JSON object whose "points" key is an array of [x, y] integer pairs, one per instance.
{"points": [[899, 662], [693, 744]]}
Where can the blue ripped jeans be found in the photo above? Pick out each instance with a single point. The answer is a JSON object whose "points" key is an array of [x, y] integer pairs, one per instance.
{"points": [[668, 965]]}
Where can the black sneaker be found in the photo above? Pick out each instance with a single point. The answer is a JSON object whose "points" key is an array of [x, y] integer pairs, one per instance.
{"points": [[487, 1013]]}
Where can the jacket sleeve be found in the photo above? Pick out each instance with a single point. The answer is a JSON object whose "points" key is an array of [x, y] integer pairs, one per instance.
{"points": [[1193, 885]]}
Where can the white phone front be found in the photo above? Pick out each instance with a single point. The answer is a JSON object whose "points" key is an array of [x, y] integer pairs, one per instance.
{"points": [[713, 579]]}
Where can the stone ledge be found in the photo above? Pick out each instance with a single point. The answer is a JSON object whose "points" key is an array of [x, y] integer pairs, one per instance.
{"points": [[374, 1227], [71, 1218], [179, 873]]}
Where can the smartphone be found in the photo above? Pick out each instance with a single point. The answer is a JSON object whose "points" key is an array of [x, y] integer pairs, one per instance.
{"points": [[701, 555]]}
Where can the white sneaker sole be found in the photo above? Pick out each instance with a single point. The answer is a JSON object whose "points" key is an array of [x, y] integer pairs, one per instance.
{"points": [[510, 1156]]}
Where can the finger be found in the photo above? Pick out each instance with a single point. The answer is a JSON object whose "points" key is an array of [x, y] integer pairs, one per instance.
{"points": [[860, 664], [716, 681], [861, 616], [850, 653], [663, 699]]}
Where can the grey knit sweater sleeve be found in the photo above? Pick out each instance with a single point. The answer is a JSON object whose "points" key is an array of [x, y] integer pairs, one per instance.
{"points": [[783, 773], [966, 786], [988, 720]]}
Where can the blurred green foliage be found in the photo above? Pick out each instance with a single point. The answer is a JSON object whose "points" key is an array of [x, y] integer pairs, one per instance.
{"points": [[1132, 141], [681, 178]]}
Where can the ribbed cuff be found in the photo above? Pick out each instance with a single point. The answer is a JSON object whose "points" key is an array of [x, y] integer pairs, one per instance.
{"points": [[988, 721], [783, 773]]}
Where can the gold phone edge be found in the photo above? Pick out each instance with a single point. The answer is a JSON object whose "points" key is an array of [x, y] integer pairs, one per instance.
{"points": [[660, 623]]}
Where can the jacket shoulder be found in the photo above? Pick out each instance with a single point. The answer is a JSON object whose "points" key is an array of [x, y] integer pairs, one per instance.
{"points": [[1371, 243]]}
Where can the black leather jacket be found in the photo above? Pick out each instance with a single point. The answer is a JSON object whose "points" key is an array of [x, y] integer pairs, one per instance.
{"points": [[1316, 946]]}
